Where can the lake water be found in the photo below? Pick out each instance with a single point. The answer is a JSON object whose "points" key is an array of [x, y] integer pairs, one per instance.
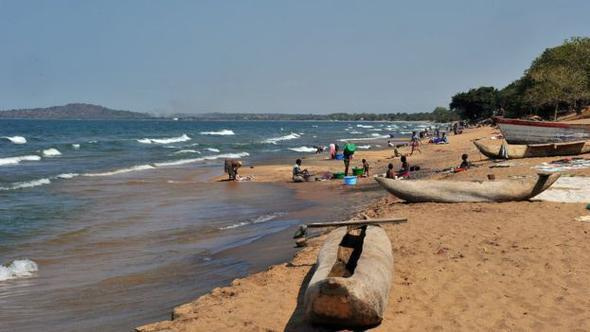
{"points": [[114, 223]]}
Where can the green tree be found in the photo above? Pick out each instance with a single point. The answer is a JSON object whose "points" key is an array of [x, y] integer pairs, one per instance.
{"points": [[475, 104]]}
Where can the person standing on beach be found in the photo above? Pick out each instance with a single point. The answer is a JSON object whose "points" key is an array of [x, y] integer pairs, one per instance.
{"points": [[365, 168], [415, 143], [348, 152]]}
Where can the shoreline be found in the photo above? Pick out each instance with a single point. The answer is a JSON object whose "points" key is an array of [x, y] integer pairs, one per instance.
{"points": [[442, 257]]}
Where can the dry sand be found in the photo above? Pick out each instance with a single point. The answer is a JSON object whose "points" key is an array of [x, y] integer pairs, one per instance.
{"points": [[471, 266]]}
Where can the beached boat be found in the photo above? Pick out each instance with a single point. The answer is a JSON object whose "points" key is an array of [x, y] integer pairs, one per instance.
{"points": [[350, 286], [517, 131], [516, 151], [446, 191]]}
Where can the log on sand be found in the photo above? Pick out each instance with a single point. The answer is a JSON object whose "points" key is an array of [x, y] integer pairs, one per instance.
{"points": [[445, 191], [516, 151], [351, 284]]}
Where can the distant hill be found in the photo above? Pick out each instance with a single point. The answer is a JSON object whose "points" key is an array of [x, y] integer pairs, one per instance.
{"points": [[77, 111]]}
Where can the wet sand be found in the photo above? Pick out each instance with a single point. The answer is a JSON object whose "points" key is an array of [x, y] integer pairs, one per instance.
{"points": [[469, 266]]}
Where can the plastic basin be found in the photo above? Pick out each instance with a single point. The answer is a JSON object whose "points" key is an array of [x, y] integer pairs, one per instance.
{"points": [[350, 180]]}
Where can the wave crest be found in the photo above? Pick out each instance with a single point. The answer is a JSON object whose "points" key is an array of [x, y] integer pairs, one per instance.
{"points": [[223, 132], [17, 160], [303, 149], [16, 139], [182, 138], [274, 140], [20, 268]]}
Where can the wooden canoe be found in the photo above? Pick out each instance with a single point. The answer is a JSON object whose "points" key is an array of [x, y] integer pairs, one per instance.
{"points": [[351, 283], [446, 191], [515, 151], [517, 131]]}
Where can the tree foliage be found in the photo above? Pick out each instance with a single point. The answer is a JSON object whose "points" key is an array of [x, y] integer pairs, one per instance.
{"points": [[558, 80], [475, 104]]}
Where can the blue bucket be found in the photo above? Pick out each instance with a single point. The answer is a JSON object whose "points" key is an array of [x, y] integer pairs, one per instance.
{"points": [[350, 180], [339, 156]]}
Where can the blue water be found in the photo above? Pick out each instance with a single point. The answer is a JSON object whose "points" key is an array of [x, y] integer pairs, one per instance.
{"points": [[124, 212]]}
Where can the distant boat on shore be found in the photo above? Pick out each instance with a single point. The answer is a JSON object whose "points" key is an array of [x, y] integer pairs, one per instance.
{"points": [[517, 151], [447, 191], [517, 131]]}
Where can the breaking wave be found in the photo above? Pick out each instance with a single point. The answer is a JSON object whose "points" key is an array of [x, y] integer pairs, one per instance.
{"points": [[182, 138], [17, 160], [303, 149], [16, 139], [20, 268], [51, 152], [213, 149], [27, 184], [223, 132], [122, 170], [187, 151], [274, 140], [364, 126]]}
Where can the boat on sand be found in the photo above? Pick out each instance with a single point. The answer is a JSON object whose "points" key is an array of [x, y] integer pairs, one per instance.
{"points": [[517, 131], [351, 283], [446, 191], [516, 151]]}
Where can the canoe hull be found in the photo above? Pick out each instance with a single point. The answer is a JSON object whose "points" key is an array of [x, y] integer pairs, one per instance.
{"points": [[517, 131], [444, 191], [517, 151], [357, 301]]}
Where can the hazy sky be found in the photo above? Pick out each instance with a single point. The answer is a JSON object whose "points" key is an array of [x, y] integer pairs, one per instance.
{"points": [[271, 56]]}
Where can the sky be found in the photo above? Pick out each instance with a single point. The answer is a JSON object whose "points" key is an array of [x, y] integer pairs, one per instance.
{"points": [[275, 56]]}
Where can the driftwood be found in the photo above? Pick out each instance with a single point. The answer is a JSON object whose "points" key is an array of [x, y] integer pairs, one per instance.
{"points": [[351, 284], [515, 151], [358, 222], [446, 191]]}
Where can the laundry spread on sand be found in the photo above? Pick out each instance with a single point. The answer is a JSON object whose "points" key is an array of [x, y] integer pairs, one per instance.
{"points": [[564, 165], [574, 189]]}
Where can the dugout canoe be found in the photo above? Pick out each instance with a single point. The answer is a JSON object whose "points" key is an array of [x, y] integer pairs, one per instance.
{"points": [[516, 151], [445, 191], [350, 286], [517, 131]]}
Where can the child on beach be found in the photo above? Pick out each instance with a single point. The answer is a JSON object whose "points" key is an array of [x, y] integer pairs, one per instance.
{"points": [[404, 170], [415, 143], [390, 174], [365, 168], [465, 164]]}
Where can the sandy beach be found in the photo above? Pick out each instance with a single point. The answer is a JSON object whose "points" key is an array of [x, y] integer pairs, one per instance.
{"points": [[469, 266]]}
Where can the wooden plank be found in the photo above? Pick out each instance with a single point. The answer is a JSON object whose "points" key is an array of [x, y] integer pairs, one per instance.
{"points": [[358, 222]]}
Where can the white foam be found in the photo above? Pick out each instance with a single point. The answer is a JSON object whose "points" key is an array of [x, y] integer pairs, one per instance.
{"points": [[213, 149], [364, 147], [67, 175], [182, 138], [375, 136], [354, 132], [303, 149], [364, 126], [51, 152], [17, 160], [27, 184], [76, 146], [260, 219], [223, 132], [122, 170], [376, 129], [20, 268], [274, 140], [187, 151], [194, 160], [16, 139]]}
